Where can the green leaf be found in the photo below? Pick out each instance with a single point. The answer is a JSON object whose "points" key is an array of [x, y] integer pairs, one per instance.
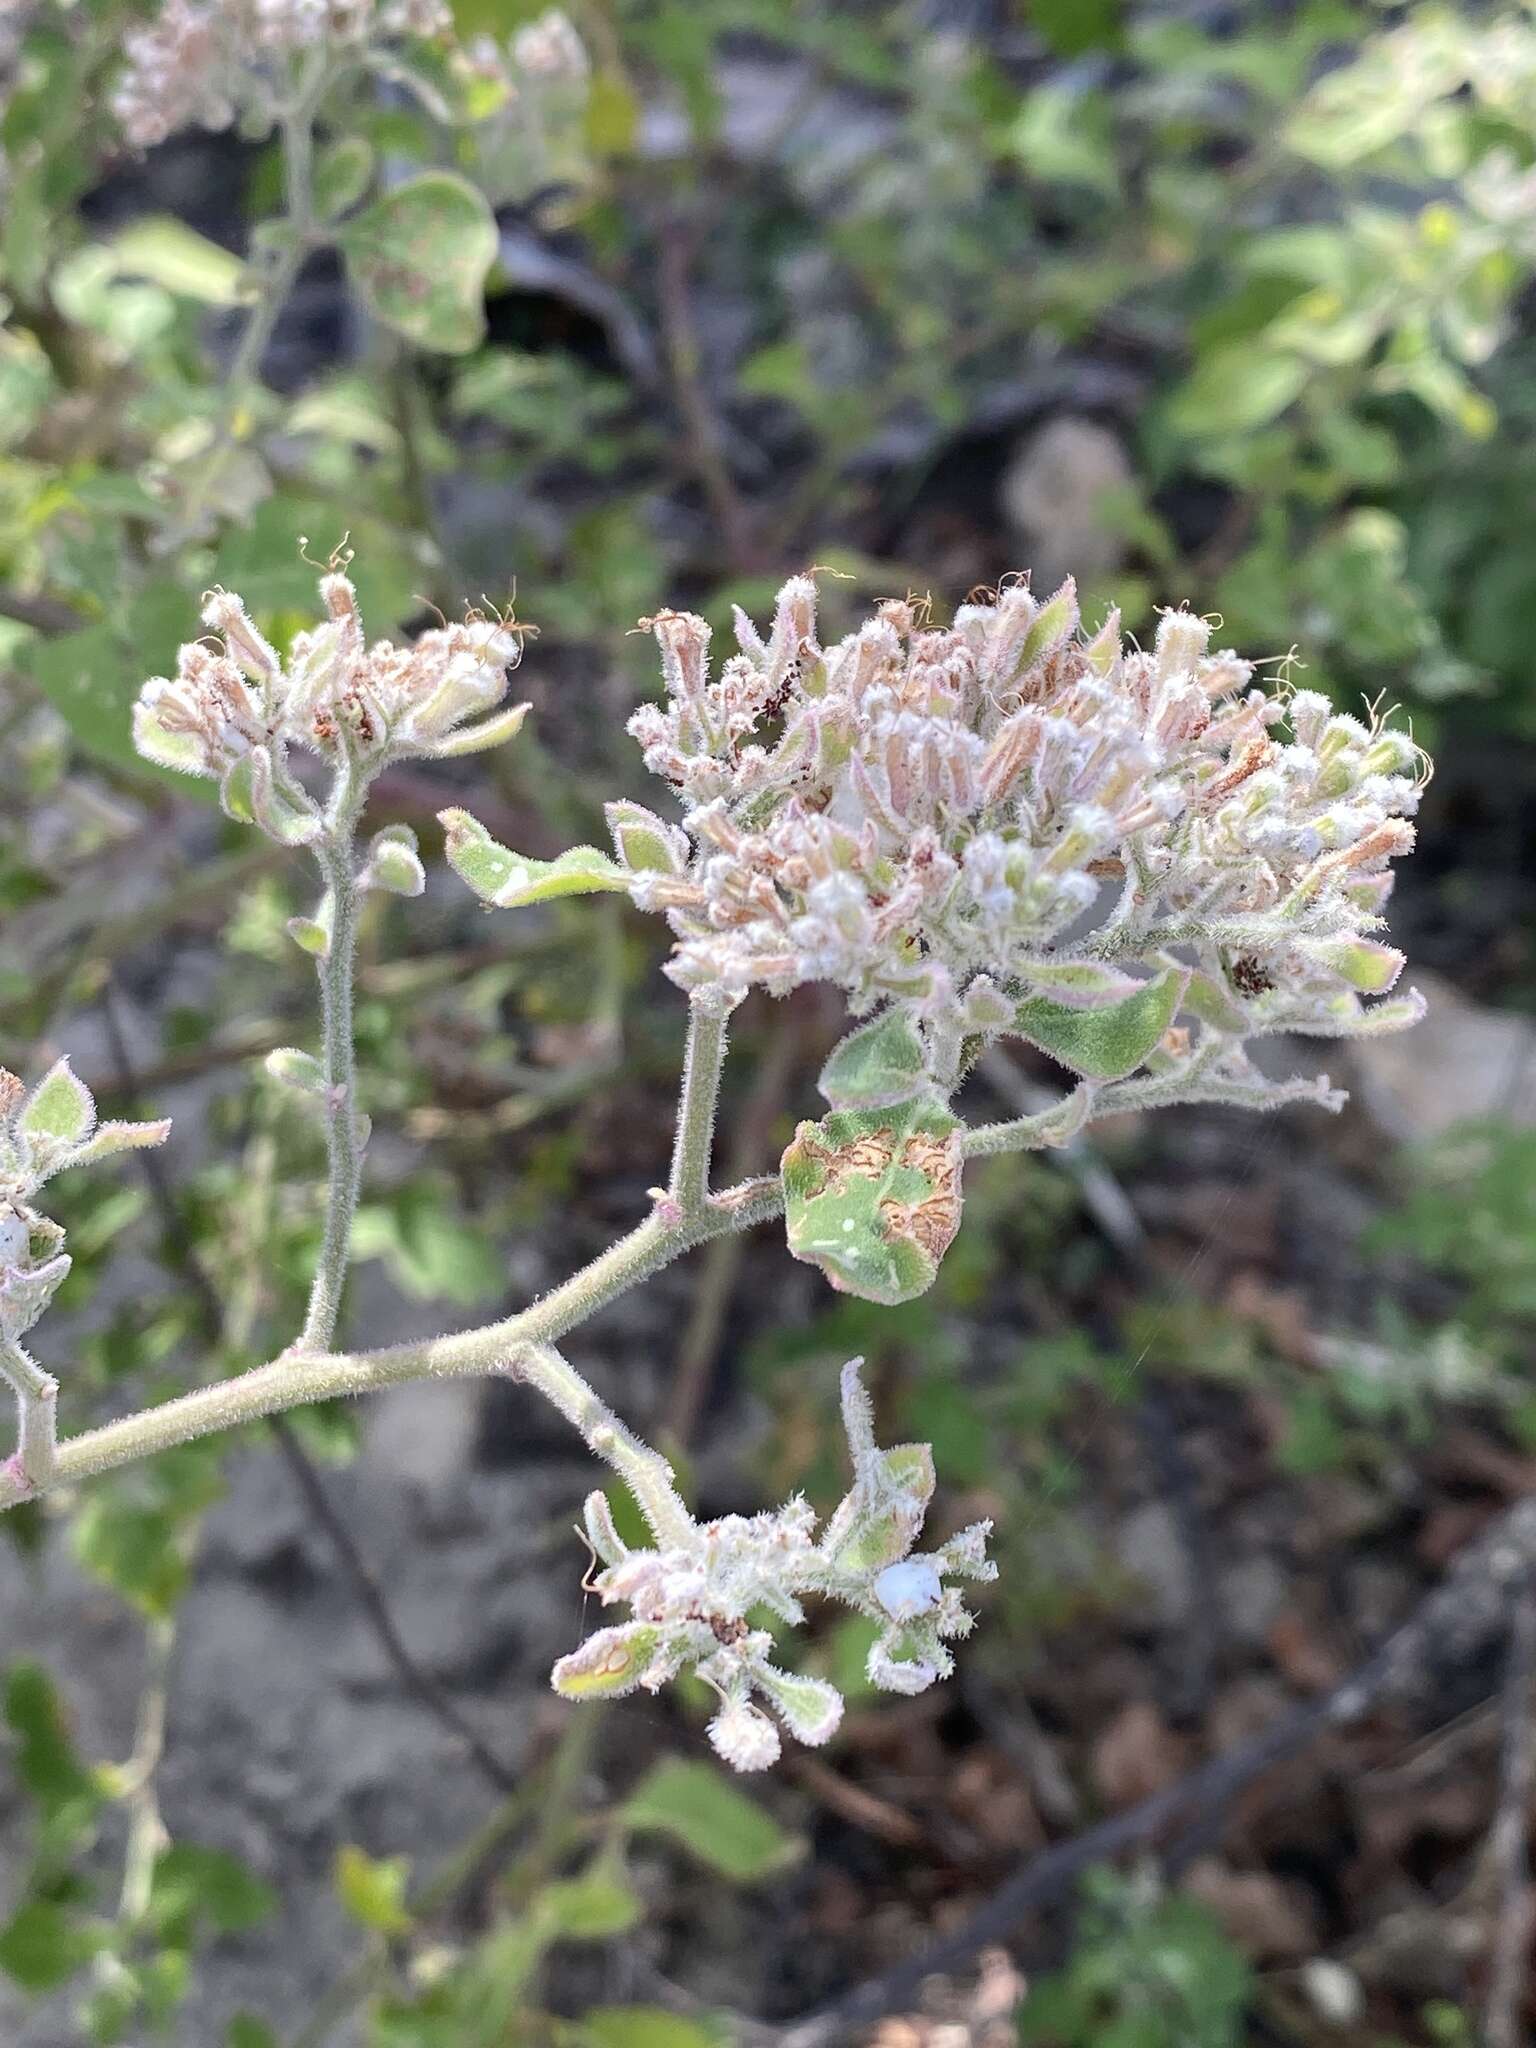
{"points": [[419, 256], [373, 1888], [192, 1883], [60, 1106], [89, 681], [1235, 389], [246, 2031], [170, 254], [1103, 1044], [879, 1064], [343, 172], [1073, 27], [133, 1534], [510, 880], [872, 1197], [44, 1944], [591, 1907], [643, 2026], [44, 1756], [695, 1805]]}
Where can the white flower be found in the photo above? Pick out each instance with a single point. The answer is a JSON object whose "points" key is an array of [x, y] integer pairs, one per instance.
{"points": [[909, 812]]}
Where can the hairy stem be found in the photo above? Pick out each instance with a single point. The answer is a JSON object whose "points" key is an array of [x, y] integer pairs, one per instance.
{"points": [[703, 1060], [343, 1139], [302, 1375], [644, 1471], [298, 1377], [37, 1393]]}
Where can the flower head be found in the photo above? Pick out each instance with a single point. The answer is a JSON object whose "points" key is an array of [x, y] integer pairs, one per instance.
{"points": [[923, 815], [234, 708], [206, 63], [698, 1599]]}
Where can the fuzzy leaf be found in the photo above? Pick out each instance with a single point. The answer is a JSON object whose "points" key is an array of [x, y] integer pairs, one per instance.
{"points": [[608, 1663], [1079, 984], [645, 843], [296, 1069], [393, 863], [877, 1523], [116, 1136], [25, 1291], [60, 1106], [872, 1197], [419, 257], [810, 1708], [474, 739], [1365, 964], [1104, 1044], [879, 1064], [509, 880]]}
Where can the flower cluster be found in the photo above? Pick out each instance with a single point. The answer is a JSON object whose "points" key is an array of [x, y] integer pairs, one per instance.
{"points": [[202, 63], [695, 1598], [234, 708], [42, 1134], [937, 818]]}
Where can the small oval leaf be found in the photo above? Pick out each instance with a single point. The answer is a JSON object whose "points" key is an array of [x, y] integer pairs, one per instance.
{"points": [[1106, 1043], [879, 1064], [510, 879]]}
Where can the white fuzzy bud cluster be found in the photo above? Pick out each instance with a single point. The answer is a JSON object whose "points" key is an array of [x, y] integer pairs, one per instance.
{"points": [[234, 707], [207, 63], [693, 1597], [928, 817], [43, 1133]]}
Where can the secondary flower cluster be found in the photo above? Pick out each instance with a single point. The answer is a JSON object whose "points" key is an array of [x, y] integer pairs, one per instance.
{"points": [[42, 1134], [201, 63], [234, 708], [918, 815], [693, 1599]]}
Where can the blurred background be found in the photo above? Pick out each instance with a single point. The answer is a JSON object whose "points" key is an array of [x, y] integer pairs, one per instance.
{"points": [[1232, 305]]}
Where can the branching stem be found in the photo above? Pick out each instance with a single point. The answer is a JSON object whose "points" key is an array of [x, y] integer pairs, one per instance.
{"points": [[304, 1374]]}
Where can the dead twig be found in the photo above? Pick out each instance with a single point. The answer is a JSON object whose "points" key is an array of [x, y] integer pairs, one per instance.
{"points": [[701, 424]]}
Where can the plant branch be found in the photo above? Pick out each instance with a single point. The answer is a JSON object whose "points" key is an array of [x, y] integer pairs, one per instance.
{"points": [[703, 1062], [301, 1375], [32, 1465], [371, 1598], [343, 1130]]}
